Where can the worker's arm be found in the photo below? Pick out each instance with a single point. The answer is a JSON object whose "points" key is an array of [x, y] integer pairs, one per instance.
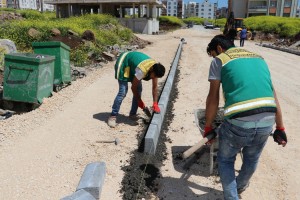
{"points": [[279, 134], [212, 102], [154, 89], [134, 88], [278, 117]]}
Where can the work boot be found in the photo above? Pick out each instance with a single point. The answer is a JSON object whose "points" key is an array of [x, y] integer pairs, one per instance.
{"points": [[112, 121], [241, 190]]}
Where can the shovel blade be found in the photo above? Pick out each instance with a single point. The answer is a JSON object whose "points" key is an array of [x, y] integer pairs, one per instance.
{"points": [[147, 111]]}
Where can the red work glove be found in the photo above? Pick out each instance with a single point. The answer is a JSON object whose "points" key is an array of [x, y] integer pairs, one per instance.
{"points": [[155, 108], [279, 136], [141, 104], [209, 132]]}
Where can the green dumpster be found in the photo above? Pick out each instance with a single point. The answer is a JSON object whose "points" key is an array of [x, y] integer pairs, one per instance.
{"points": [[28, 77], [62, 70]]}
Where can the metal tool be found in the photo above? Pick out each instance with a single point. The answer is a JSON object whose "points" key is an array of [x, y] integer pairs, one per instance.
{"points": [[115, 141], [147, 111]]}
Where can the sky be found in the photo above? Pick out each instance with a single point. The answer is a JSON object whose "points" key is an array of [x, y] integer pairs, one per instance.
{"points": [[221, 3]]}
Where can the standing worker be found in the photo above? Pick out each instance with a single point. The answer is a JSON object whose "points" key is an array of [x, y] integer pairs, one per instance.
{"points": [[243, 36], [133, 67], [250, 111]]}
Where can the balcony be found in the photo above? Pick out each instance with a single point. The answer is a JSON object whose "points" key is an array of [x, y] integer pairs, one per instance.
{"points": [[102, 1], [257, 9]]}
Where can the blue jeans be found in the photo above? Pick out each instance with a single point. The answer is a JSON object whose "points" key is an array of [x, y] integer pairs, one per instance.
{"points": [[123, 89], [232, 140], [242, 41]]}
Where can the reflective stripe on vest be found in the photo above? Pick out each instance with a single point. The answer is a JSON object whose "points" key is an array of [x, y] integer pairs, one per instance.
{"points": [[120, 63], [248, 105]]}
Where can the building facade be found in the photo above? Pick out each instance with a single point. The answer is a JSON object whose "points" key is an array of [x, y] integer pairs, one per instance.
{"points": [[298, 12], [204, 9], [29, 4], [280, 8], [222, 12], [190, 9], [173, 8], [2, 3]]}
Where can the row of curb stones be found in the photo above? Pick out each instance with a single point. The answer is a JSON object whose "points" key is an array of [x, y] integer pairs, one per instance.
{"points": [[288, 50], [153, 132]]}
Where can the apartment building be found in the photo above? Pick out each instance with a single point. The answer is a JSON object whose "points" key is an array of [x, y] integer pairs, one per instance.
{"points": [[222, 12], [190, 9], [204, 9], [298, 12], [173, 8], [29, 4], [248, 8], [2, 3], [282, 8]]}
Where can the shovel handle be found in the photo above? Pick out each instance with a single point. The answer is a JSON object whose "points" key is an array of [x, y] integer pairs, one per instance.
{"points": [[197, 146]]}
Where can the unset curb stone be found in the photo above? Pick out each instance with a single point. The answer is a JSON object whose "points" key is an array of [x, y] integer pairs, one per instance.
{"points": [[90, 184]]}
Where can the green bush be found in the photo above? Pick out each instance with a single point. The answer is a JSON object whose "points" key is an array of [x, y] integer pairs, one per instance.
{"points": [[195, 20], [79, 55], [220, 22], [171, 20], [8, 9], [285, 27], [32, 14], [17, 30]]}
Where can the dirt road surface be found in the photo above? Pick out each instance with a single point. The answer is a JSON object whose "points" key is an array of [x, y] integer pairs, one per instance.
{"points": [[44, 152]]}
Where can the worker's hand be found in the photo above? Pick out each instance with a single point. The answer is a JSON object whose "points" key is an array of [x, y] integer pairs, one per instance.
{"points": [[141, 104], [280, 136], [209, 132], [155, 107]]}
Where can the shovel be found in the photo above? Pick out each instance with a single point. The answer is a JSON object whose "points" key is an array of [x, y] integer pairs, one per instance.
{"points": [[197, 146], [147, 111]]}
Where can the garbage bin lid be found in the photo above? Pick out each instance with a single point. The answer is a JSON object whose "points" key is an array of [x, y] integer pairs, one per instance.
{"points": [[50, 44], [29, 57]]}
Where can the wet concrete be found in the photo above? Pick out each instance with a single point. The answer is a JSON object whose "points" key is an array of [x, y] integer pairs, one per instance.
{"points": [[142, 174]]}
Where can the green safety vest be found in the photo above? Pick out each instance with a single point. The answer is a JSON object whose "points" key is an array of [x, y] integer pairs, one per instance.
{"points": [[128, 62], [246, 83]]}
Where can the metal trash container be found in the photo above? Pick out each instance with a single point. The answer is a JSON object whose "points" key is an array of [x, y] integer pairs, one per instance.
{"points": [[62, 69], [28, 77]]}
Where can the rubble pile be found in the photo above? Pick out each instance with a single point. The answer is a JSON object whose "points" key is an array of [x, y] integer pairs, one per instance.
{"points": [[10, 16]]}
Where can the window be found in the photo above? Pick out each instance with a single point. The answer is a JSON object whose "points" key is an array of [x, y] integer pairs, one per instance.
{"points": [[273, 4], [287, 3]]}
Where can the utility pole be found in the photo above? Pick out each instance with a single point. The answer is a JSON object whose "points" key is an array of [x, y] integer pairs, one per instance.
{"points": [[216, 12], [229, 6], [42, 5]]}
